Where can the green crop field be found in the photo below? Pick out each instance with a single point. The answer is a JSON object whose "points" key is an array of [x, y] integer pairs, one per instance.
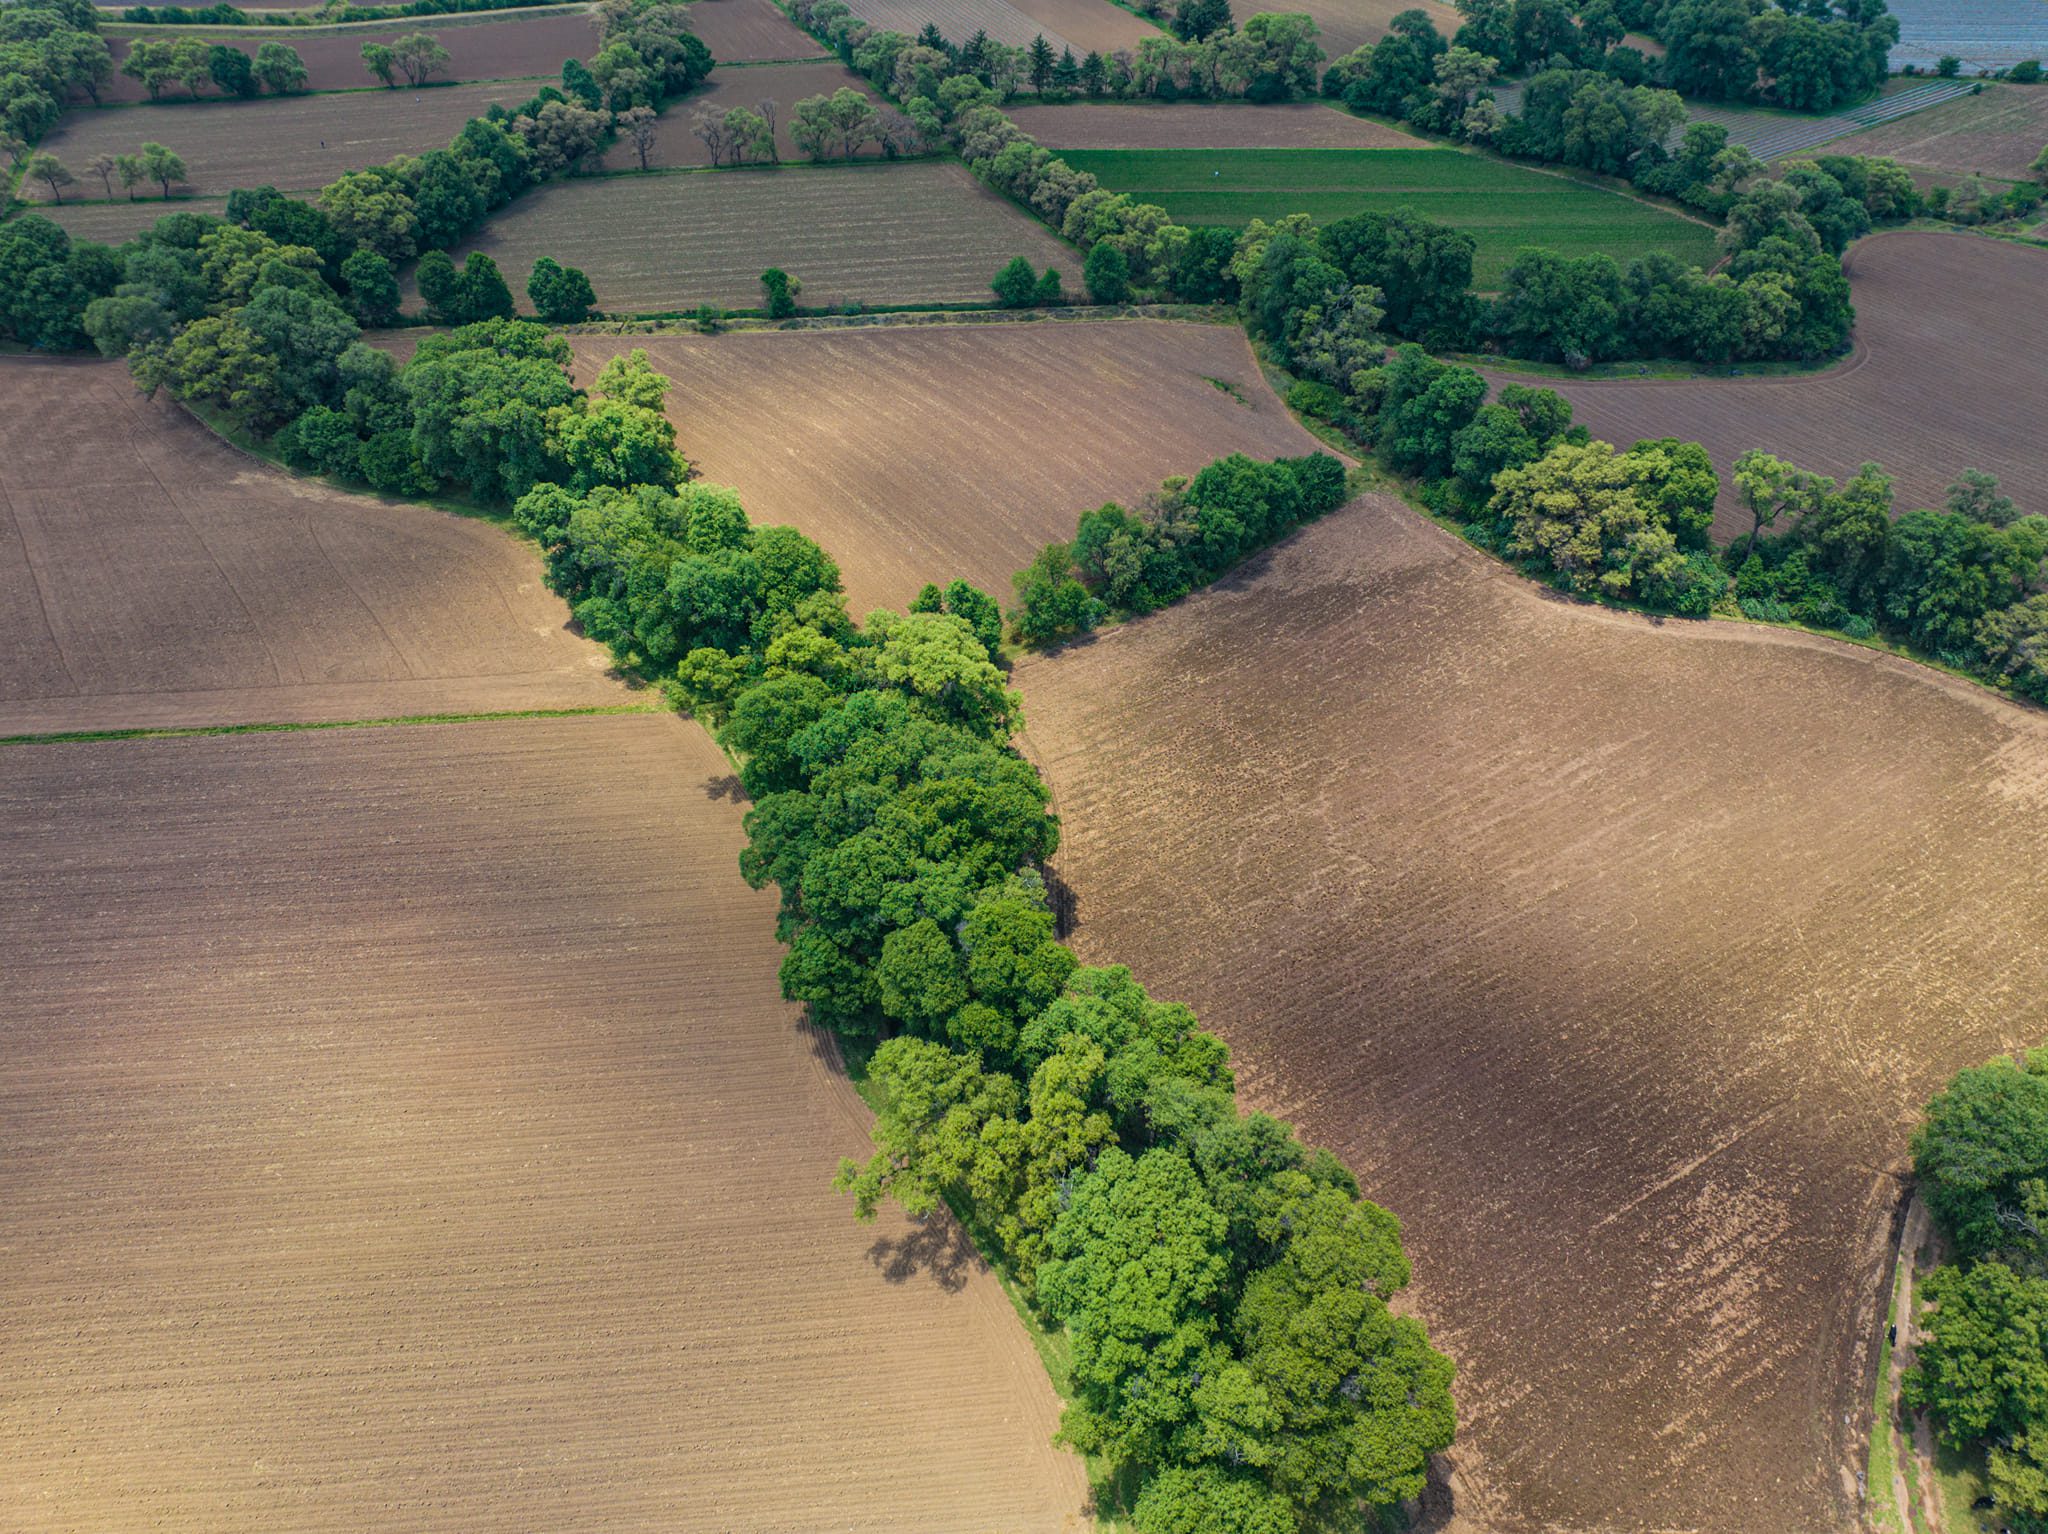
{"points": [[1503, 206]]}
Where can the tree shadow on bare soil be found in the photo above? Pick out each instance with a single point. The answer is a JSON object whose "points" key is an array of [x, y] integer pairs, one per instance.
{"points": [[935, 1247], [726, 787]]}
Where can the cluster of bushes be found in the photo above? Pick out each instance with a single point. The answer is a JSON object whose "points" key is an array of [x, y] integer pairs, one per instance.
{"points": [[1888, 194], [157, 63], [1981, 1159], [51, 53], [1121, 564], [1226, 1290]]}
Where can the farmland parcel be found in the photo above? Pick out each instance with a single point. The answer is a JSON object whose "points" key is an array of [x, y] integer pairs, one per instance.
{"points": [[1504, 207], [912, 232], [404, 1132], [1949, 329], [1614, 959], [937, 452], [1205, 125]]}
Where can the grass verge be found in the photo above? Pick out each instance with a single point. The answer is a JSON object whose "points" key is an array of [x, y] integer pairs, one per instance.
{"points": [[289, 726], [1880, 1498]]}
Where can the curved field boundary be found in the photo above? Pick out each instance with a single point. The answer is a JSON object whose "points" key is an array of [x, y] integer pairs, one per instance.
{"points": [[1949, 330], [928, 453], [150, 575], [1615, 956]]}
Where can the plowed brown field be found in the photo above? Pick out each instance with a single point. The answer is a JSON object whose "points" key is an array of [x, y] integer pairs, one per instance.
{"points": [[1089, 25], [295, 144], [1348, 23], [403, 1132], [925, 453], [751, 31], [111, 223], [478, 49], [1616, 958], [676, 142], [152, 575], [1997, 132], [920, 231], [1205, 125], [1950, 333]]}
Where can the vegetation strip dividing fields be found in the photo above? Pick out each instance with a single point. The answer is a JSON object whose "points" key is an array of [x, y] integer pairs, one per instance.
{"points": [[274, 727]]}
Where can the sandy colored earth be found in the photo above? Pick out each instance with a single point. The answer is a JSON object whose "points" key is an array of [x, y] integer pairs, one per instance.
{"points": [[925, 453], [481, 48], [296, 144], [1090, 26], [1616, 957], [1205, 125], [404, 1133], [152, 575], [1950, 333], [918, 231]]}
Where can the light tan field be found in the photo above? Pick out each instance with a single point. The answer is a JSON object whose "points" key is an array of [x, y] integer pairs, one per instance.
{"points": [[152, 575], [1998, 132], [1348, 23], [1950, 334], [1617, 958], [404, 1133], [918, 231], [1205, 125], [1091, 26], [751, 31], [926, 453]]}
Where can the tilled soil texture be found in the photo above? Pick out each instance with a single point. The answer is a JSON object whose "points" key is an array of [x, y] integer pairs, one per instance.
{"points": [[1998, 132], [1950, 333], [1616, 958], [478, 49], [1205, 125], [958, 20], [913, 232], [1348, 23], [1090, 26], [931, 453], [294, 143], [675, 138], [404, 1133], [114, 223], [152, 575], [751, 31]]}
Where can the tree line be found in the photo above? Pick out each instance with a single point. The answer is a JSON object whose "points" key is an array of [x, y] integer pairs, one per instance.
{"points": [[329, 14]]}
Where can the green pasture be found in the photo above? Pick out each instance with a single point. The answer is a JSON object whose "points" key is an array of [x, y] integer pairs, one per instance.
{"points": [[1503, 206]]}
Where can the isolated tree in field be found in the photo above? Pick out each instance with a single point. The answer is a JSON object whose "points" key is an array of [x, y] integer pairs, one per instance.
{"points": [[49, 170], [1107, 274], [1016, 284], [231, 71], [1771, 488], [639, 125], [1976, 496], [372, 288], [103, 165], [561, 295], [280, 68], [381, 62], [780, 289], [163, 166], [420, 56]]}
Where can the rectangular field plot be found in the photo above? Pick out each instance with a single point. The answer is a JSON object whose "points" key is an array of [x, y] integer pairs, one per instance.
{"points": [[676, 142], [751, 32], [404, 1133], [958, 20], [478, 49], [152, 575], [1505, 207], [1205, 125], [913, 232], [295, 144], [1346, 24], [1090, 26], [1984, 34], [1997, 132], [917, 453], [112, 223]]}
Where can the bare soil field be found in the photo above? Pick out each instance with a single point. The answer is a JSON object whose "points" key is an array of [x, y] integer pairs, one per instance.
{"points": [[1090, 26], [925, 453], [479, 48], [1950, 332], [1348, 23], [295, 144], [1616, 958], [958, 20], [1205, 125], [1996, 133], [676, 143], [404, 1132], [152, 575], [921, 231], [112, 223], [751, 31]]}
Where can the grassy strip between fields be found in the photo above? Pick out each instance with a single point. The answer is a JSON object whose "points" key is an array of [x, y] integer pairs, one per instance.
{"points": [[289, 726], [1880, 1500]]}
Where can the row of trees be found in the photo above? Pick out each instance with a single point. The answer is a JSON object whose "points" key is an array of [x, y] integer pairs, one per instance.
{"points": [[330, 13], [159, 63], [151, 165], [1811, 55]]}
